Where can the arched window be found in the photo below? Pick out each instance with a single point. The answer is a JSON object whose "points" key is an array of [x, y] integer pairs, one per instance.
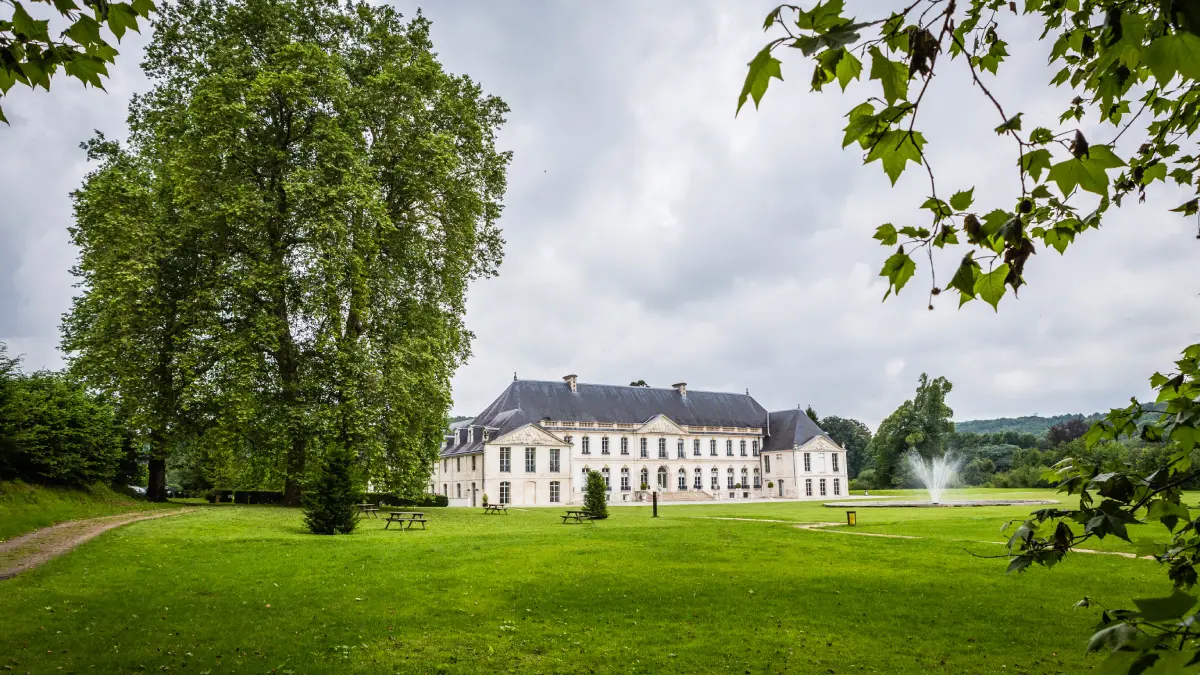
{"points": [[699, 482], [624, 478], [682, 482], [504, 492], [729, 478], [757, 479], [716, 476], [645, 484], [662, 448], [662, 478], [607, 484], [745, 478]]}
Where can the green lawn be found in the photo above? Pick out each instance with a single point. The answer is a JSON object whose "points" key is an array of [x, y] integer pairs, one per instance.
{"points": [[243, 589], [24, 507]]}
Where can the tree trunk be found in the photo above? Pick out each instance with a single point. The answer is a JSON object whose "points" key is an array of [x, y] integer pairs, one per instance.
{"points": [[156, 487]]}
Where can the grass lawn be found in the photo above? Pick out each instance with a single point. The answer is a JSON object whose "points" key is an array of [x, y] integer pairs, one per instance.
{"points": [[24, 507], [242, 589]]}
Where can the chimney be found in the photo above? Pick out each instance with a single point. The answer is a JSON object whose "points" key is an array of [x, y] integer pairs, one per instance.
{"points": [[681, 387], [570, 380]]}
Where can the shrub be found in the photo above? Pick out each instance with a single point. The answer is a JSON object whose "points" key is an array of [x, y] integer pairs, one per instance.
{"points": [[388, 499], [864, 481], [329, 503], [485, 499], [771, 484], [595, 500]]}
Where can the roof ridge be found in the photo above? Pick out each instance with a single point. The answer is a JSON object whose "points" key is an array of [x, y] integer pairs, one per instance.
{"points": [[627, 386]]}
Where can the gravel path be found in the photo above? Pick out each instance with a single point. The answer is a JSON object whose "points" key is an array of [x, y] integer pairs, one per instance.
{"points": [[30, 550]]}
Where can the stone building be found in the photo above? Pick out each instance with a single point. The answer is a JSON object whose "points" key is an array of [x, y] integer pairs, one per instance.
{"points": [[536, 442]]}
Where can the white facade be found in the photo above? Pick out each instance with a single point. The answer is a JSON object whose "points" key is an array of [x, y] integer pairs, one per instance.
{"points": [[546, 464]]}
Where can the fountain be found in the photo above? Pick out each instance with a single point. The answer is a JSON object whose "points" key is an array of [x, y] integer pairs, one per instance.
{"points": [[936, 475]]}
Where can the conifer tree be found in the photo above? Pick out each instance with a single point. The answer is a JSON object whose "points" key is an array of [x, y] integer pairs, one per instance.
{"points": [[329, 504], [595, 500]]}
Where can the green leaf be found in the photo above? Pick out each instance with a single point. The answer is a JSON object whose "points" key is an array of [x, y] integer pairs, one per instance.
{"points": [[1041, 135], [1150, 173], [886, 234], [1104, 157], [990, 287], [898, 269], [143, 7], [762, 68], [121, 17], [85, 31], [893, 75], [1081, 173], [1011, 124], [862, 122], [23, 24], [895, 149], [964, 278], [848, 69], [961, 201], [1035, 162], [1173, 606], [1174, 53]]}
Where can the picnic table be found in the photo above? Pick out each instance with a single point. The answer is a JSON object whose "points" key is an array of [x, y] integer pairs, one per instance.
{"points": [[406, 519], [495, 508], [370, 509], [577, 516]]}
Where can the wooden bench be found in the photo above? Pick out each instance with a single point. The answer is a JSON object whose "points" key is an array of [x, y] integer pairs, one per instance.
{"points": [[406, 519], [577, 517], [371, 510], [495, 508]]}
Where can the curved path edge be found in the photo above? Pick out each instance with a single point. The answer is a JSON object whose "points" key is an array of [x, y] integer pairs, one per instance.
{"points": [[48, 543]]}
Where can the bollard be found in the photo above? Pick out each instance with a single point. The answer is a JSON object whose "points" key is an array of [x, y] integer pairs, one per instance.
{"points": [[655, 498], [851, 518]]}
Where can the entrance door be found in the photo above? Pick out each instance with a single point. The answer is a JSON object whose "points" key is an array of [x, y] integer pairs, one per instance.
{"points": [[530, 492], [780, 488]]}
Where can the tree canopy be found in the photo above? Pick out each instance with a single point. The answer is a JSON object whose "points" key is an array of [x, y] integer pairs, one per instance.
{"points": [[921, 423]]}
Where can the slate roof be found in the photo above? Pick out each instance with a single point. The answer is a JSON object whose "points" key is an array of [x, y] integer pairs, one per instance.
{"points": [[790, 428], [531, 401]]}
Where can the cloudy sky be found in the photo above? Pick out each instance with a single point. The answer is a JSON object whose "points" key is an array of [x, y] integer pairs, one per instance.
{"points": [[651, 235]]}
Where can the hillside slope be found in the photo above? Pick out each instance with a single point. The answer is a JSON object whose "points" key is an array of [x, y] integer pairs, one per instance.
{"points": [[1030, 424]]}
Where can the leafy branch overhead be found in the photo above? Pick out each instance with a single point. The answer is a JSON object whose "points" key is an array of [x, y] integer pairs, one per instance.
{"points": [[1128, 62], [30, 55]]}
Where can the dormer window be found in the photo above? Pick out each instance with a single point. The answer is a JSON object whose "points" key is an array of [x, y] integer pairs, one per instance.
{"points": [[485, 435], [470, 434]]}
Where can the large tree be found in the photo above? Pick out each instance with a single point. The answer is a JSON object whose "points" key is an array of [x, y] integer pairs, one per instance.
{"points": [[853, 436], [921, 423], [346, 189], [1133, 65]]}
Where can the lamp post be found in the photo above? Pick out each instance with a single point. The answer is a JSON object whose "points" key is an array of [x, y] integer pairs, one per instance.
{"points": [[654, 497]]}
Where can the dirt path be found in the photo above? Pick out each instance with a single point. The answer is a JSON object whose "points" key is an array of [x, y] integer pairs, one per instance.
{"points": [[30, 550]]}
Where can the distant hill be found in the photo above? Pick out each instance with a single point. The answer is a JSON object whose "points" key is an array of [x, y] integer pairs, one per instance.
{"points": [[1031, 424]]}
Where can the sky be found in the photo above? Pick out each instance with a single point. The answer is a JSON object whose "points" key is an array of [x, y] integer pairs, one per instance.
{"points": [[653, 235]]}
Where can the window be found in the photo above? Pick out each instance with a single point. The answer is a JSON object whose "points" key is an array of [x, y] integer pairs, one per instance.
{"points": [[699, 482], [745, 478], [504, 492], [834, 459], [458, 463], [554, 460], [822, 487], [712, 448], [458, 490], [729, 448], [716, 478], [604, 445], [445, 465], [624, 446], [607, 484], [820, 462], [754, 447], [585, 444], [742, 448], [767, 463], [837, 487], [472, 462], [445, 490], [470, 434], [682, 482], [807, 462], [644, 453], [583, 481], [807, 487], [662, 449], [662, 478], [568, 439], [506, 459], [679, 449], [729, 478], [485, 435], [625, 478], [696, 448], [645, 484], [757, 479], [553, 492], [530, 460]]}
